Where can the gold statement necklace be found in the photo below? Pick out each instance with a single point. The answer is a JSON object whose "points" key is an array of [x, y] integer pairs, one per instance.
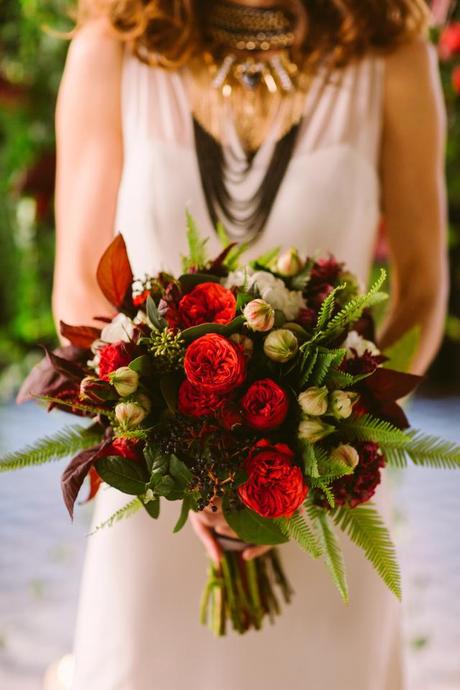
{"points": [[246, 81]]}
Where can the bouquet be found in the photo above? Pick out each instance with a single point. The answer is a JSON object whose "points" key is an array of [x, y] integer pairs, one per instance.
{"points": [[257, 387]]}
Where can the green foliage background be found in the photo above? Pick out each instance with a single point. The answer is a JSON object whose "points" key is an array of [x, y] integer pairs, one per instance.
{"points": [[31, 61]]}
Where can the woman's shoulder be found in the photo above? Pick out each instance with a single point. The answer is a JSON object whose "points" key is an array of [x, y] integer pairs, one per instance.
{"points": [[95, 50], [411, 62]]}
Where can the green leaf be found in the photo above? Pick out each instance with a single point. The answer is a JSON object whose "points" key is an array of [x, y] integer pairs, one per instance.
{"points": [[185, 509], [431, 451], [226, 329], [127, 510], [197, 257], [297, 529], [308, 360], [331, 549], [253, 528], [179, 471], [157, 462], [324, 362], [232, 260], [124, 475], [265, 260], [191, 280], [327, 309], [368, 428], [169, 387], [151, 505], [222, 234], [401, 354], [364, 526], [142, 365], [301, 280], [154, 315], [309, 459], [63, 444]]}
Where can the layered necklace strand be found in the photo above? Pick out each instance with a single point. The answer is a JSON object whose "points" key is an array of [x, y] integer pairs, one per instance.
{"points": [[248, 76]]}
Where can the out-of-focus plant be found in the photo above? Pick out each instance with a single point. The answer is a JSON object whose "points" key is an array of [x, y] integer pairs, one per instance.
{"points": [[31, 61]]}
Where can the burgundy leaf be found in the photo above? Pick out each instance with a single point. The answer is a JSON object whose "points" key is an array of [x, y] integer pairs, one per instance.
{"points": [[114, 273], [79, 336], [389, 385], [94, 484], [69, 368], [216, 267], [76, 472], [46, 378]]}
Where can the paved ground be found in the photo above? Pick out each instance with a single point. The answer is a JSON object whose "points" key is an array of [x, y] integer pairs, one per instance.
{"points": [[41, 557]]}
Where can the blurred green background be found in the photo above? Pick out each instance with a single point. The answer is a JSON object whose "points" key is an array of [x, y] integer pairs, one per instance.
{"points": [[31, 62]]}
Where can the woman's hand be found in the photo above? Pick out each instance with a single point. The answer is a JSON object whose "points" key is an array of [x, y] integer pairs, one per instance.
{"points": [[205, 521]]}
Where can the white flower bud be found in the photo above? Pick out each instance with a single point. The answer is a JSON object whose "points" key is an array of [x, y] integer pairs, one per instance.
{"points": [[289, 263], [125, 380], [281, 345], [130, 414], [120, 328], [313, 401], [244, 342], [346, 454], [341, 403], [260, 316], [314, 430], [356, 343]]}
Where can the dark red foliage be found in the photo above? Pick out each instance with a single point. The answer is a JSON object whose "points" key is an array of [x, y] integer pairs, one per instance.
{"points": [[360, 486], [114, 274], [380, 392], [80, 336]]}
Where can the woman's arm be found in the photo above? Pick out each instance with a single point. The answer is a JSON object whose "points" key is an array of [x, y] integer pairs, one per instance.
{"points": [[89, 163], [414, 198]]}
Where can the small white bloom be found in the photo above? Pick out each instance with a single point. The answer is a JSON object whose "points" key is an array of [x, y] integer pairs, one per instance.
{"points": [[121, 328], [281, 345], [313, 401], [125, 381], [259, 315], [130, 414], [314, 430], [341, 403], [346, 454], [274, 291], [289, 263], [356, 342]]}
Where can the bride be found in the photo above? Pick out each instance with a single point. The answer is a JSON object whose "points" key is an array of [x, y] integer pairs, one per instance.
{"points": [[300, 123]]}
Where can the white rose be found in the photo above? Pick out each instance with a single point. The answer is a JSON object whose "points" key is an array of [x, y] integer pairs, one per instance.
{"points": [[274, 291], [121, 328]]}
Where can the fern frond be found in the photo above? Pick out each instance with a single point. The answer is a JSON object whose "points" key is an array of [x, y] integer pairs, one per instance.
{"points": [[430, 451], [368, 428], [66, 442], [81, 407], [197, 247], [126, 511], [297, 529], [352, 311], [331, 549], [366, 529], [327, 309], [306, 367], [326, 360]]}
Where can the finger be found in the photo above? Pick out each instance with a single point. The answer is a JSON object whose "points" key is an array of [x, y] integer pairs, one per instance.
{"points": [[255, 551], [211, 545]]}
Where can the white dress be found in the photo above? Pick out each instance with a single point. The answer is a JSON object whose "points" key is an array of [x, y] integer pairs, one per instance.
{"points": [[138, 623]]}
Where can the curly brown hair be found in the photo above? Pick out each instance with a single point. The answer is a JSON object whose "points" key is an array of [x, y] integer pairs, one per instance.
{"points": [[168, 33]]}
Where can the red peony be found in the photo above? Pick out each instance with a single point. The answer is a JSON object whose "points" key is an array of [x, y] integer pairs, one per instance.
{"points": [[265, 405], [275, 486], [124, 447], [207, 303], [449, 41], [360, 486], [214, 363], [114, 356], [196, 402], [229, 415]]}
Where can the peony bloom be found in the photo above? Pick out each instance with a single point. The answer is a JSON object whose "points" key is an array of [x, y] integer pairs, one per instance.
{"points": [[289, 263], [341, 403], [264, 405], [206, 303], [314, 401], [275, 487], [196, 402], [214, 363], [259, 315], [112, 357], [124, 380], [314, 430], [281, 345]]}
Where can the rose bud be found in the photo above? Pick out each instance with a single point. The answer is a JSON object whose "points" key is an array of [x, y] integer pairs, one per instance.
{"points": [[314, 430], [281, 345], [94, 390], [313, 401], [125, 381], [341, 403], [289, 263], [130, 414], [244, 342], [260, 316], [346, 454]]}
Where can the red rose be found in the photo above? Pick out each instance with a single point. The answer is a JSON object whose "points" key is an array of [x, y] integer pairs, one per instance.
{"points": [[195, 401], [214, 363], [275, 486], [207, 303], [449, 41], [114, 356], [265, 405], [123, 447]]}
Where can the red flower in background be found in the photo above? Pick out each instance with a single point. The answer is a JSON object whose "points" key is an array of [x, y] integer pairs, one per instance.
{"points": [[195, 401], [449, 41], [360, 486], [214, 363], [265, 405], [275, 486], [207, 303], [456, 79], [114, 356]]}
